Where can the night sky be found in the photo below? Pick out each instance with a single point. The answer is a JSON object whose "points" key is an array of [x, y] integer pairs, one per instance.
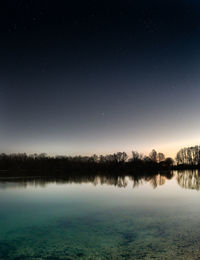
{"points": [[84, 77]]}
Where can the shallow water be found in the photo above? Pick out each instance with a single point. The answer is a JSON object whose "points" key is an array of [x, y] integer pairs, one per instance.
{"points": [[85, 217]]}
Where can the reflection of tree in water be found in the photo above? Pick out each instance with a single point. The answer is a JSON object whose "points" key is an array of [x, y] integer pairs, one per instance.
{"points": [[189, 179], [186, 179], [120, 181], [157, 180], [111, 180]]}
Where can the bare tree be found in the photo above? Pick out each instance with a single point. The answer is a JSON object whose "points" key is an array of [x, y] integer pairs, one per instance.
{"points": [[153, 155], [160, 157]]}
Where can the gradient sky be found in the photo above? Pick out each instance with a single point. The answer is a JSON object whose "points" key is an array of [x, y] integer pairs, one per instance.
{"points": [[84, 77]]}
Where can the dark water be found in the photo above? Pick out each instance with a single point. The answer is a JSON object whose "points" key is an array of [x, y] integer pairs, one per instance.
{"points": [[149, 217]]}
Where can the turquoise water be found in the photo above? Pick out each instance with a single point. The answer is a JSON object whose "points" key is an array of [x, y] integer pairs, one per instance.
{"points": [[149, 217]]}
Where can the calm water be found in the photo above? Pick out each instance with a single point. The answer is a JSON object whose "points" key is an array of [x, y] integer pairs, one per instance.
{"points": [[154, 217]]}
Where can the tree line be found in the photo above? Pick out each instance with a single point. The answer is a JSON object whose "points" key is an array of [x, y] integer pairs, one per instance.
{"points": [[34, 164]]}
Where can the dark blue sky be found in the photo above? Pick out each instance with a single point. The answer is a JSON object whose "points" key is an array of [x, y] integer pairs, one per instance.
{"points": [[99, 76]]}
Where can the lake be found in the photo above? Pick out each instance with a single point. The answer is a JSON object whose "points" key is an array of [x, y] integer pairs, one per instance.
{"points": [[154, 216]]}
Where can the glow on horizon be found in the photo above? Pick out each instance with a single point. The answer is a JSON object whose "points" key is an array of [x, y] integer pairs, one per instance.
{"points": [[169, 149], [168, 140]]}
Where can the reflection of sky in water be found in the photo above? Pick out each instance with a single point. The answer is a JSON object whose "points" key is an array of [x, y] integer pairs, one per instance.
{"points": [[81, 210]]}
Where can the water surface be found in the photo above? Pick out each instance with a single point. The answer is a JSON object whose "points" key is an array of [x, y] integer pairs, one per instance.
{"points": [[98, 217]]}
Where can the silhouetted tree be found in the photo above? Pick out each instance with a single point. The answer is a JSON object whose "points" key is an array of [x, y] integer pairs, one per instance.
{"points": [[189, 155], [168, 162], [120, 157], [136, 156], [153, 155], [160, 157]]}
